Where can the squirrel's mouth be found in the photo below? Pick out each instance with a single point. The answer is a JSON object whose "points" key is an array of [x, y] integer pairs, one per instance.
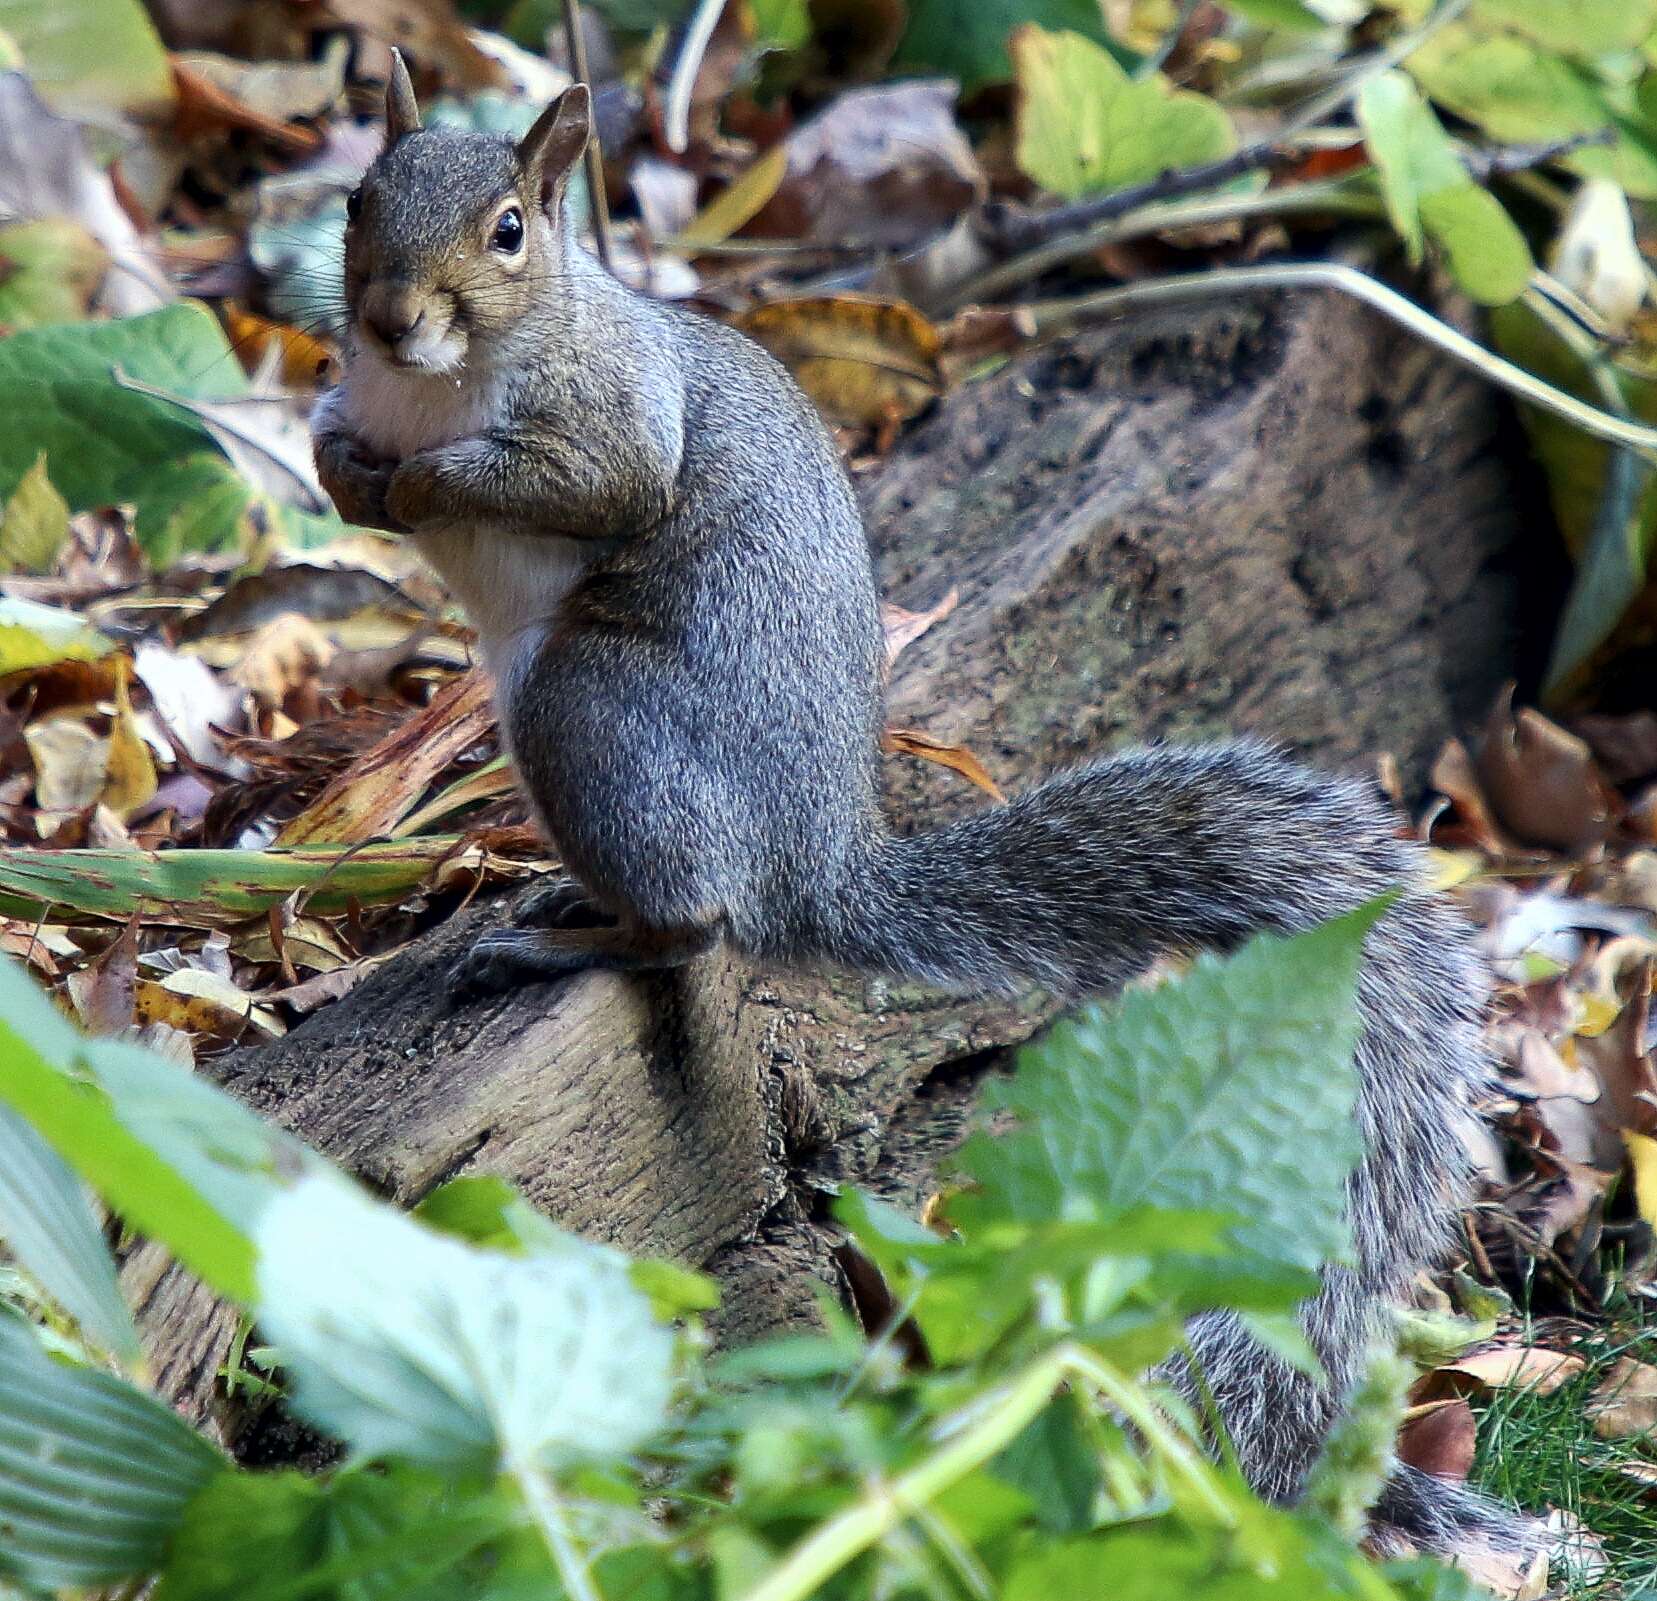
{"points": [[428, 347]]}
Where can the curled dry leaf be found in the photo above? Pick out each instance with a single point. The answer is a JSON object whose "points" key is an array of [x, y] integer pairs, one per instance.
{"points": [[863, 361], [1541, 781], [957, 758], [1505, 1574], [1455, 776], [1624, 1403], [885, 165], [283, 654], [903, 627], [1507, 1367], [1440, 1438]]}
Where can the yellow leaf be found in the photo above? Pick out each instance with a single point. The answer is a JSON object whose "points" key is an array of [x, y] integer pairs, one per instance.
{"points": [[129, 779], [34, 524], [743, 200], [957, 758], [1642, 1157], [862, 360]]}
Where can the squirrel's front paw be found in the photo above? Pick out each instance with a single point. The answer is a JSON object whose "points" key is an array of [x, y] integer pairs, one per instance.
{"points": [[408, 496], [356, 482]]}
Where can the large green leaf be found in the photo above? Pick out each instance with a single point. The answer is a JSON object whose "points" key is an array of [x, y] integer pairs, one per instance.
{"points": [[179, 1159], [968, 38], [1517, 91], [90, 57], [1426, 188], [1084, 125], [107, 443], [1230, 1090], [94, 1475], [47, 1225], [1582, 28], [412, 1344]]}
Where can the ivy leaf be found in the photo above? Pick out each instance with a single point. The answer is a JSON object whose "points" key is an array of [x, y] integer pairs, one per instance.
{"points": [[967, 39], [413, 1344], [1084, 125], [1231, 1089], [1428, 190]]}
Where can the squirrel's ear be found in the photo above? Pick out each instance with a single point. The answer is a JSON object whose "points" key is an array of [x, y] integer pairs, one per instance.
{"points": [[402, 114], [553, 146]]}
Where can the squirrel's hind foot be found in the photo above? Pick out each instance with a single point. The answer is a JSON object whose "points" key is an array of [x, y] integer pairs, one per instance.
{"points": [[559, 903], [508, 958]]}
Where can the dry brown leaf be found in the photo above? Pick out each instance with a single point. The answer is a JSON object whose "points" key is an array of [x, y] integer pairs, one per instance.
{"points": [[208, 104], [863, 361], [304, 360], [1624, 1403], [1505, 1574], [1523, 1367], [1541, 782], [957, 758], [883, 165], [70, 762], [102, 992], [1440, 1438], [1454, 775], [129, 774], [903, 627], [283, 654], [386, 783]]}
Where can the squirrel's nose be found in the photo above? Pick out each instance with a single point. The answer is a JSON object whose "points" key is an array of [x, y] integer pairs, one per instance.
{"points": [[394, 323]]}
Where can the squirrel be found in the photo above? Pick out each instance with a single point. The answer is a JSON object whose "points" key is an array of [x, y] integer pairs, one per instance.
{"points": [[654, 534]]}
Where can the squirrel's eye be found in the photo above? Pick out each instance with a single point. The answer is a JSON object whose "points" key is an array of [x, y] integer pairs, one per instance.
{"points": [[353, 204], [508, 237]]}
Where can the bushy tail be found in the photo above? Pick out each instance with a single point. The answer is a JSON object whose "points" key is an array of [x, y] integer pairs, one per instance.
{"points": [[1076, 885]]}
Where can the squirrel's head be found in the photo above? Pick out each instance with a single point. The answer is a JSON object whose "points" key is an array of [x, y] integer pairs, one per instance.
{"points": [[452, 238]]}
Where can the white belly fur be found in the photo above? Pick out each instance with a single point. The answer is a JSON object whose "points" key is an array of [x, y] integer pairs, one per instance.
{"points": [[508, 582]]}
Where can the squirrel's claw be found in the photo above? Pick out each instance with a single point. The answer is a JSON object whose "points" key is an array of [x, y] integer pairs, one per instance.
{"points": [[559, 903], [507, 958]]}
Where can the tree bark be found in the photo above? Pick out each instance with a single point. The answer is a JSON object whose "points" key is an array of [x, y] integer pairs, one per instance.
{"points": [[1282, 518]]}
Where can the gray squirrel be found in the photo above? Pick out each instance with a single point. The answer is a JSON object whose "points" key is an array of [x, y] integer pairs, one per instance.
{"points": [[654, 534]]}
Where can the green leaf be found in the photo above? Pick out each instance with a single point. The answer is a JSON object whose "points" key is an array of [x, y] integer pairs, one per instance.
{"points": [[968, 39], [1516, 91], [1486, 253], [1426, 188], [109, 444], [47, 1225], [1084, 125], [90, 56], [32, 635], [781, 24], [1289, 14], [1580, 28], [408, 1343], [1056, 1464], [194, 888], [49, 271], [94, 1474], [68, 1089], [34, 524], [1231, 1089], [362, 1535]]}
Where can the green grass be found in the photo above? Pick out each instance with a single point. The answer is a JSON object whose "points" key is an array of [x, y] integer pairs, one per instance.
{"points": [[1541, 1451]]}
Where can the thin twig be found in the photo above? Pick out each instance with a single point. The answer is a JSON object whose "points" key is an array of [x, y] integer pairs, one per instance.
{"points": [[1055, 315], [676, 114], [576, 42], [1504, 160], [1336, 197], [1169, 42], [1018, 231]]}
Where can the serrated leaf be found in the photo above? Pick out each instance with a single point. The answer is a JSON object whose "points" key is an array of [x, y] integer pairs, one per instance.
{"points": [[370, 1536], [1231, 1089], [94, 1474], [47, 1225], [410, 1344], [1084, 125], [968, 39]]}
